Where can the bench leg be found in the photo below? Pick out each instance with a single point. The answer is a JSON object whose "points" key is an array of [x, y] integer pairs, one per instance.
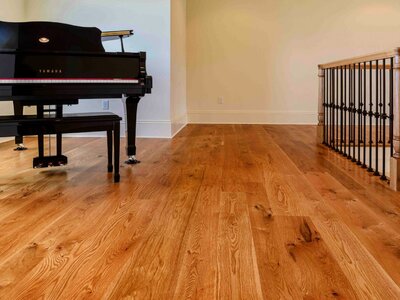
{"points": [[117, 140], [109, 151]]}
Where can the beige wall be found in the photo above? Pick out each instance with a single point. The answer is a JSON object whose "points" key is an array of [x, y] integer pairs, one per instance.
{"points": [[12, 11], [262, 55], [178, 65]]}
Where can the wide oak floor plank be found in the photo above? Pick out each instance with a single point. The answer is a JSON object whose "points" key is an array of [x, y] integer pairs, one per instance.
{"points": [[218, 212]]}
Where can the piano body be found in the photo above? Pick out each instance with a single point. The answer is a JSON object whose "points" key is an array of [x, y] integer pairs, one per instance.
{"points": [[47, 63]]}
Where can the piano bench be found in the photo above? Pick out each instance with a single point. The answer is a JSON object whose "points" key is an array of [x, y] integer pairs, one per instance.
{"points": [[68, 123]]}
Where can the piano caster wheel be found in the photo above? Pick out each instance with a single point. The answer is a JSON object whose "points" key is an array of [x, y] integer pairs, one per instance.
{"points": [[110, 169], [132, 160], [116, 178], [20, 147]]}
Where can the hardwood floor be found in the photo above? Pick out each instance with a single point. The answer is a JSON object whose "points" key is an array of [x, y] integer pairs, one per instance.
{"points": [[219, 212]]}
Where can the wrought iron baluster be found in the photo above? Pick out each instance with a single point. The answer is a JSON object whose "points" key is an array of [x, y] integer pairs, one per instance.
{"points": [[337, 110], [391, 108], [328, 97], [325, 109], [341, 110], [359, 115], [350, 110], [383, 118], [371, 114], [354, 113], [330, 108], [345, 112], [364, 111], [377, 89], [333, 108], [381, 88]]}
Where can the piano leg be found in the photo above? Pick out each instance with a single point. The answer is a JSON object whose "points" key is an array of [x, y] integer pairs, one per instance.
{"points": [[41, 145], [19, 140], [59, 114], [59, 144], [40, 136], [130, 108]]}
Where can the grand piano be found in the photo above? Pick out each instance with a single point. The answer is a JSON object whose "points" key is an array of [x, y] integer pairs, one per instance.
{"points": [[47, 64]]}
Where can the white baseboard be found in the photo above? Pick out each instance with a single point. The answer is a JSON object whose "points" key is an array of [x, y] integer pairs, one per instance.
{"points": [[6, 139], [153, 129], [178, 124], [251, 117]]}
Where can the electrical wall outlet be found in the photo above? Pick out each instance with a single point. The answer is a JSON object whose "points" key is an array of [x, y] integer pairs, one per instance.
{"points": [[106, 104], [220, 100]]}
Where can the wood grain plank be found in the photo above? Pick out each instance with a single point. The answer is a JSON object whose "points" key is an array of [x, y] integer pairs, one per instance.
{"points": [[238, 276], [150, 275], [198, 276], [294, 261], [220, 211], [368, 225]]}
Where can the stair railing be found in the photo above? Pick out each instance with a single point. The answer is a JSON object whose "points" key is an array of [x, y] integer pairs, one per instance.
{"points": [[359, 112]]}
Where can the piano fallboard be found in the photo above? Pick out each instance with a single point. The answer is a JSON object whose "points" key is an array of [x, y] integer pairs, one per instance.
{"points": [[70, 65], [32, 75]]}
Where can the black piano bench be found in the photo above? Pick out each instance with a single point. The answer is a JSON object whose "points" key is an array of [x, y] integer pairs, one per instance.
{"points": [[68, 123]]}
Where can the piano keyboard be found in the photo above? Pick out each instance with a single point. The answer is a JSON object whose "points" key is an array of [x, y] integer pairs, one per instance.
{"points": [[63, 80]]}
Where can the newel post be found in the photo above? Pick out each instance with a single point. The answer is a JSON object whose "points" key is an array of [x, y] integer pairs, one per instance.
{"points": [[321, 117], [395, 159]]}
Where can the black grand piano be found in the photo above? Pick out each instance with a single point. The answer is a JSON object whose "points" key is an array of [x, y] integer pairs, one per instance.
{"points": [[46, 63]]}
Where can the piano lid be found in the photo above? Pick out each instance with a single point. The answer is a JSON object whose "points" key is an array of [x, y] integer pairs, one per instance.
{"points": [[49, 36]]}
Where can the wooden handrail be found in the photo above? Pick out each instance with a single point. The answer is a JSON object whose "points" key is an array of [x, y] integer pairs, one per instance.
{"points": [[356, 67], [361, 59]]}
